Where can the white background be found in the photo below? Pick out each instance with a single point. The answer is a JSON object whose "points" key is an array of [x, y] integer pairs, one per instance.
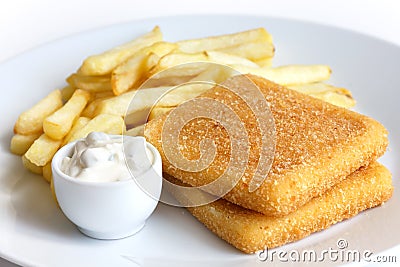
{"points": [[25, 24]]}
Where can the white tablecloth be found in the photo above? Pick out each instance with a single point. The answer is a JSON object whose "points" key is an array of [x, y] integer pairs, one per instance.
{"points": [[25, 24]]}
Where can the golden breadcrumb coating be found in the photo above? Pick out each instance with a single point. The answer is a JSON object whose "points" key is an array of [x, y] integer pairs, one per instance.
{"points": [[251, 231], [317, 146]]}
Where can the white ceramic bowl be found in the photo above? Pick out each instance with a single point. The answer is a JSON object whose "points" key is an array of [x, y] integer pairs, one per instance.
{"points": [[107, 210]]}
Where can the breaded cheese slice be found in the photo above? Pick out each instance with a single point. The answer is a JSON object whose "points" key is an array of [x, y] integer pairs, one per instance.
{"points": [[250, 231], [317, 146]]}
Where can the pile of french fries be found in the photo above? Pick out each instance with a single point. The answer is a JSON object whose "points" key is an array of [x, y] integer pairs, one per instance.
{"points": [[98, 96]]}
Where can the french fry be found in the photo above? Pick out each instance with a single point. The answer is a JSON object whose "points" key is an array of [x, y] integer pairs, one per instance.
{"points": [[141, 98], [315, 88], [107, 123], [21, 143], [336, 98], [179, 58], [90, 83], [78, 125], [264, 62], [133, 71], [105, 62], [335, 95], [158, 111], [251, 50], [225, 41], [47, 173], [290, 74], [228, 59], [67, 92], [31, 167], [147, 99], [42, 150], [137, 131], [60, 122], [31, 121], [129, 74]]}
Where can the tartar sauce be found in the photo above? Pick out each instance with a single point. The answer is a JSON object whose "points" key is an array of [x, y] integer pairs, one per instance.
{"points": [[102, 158]]}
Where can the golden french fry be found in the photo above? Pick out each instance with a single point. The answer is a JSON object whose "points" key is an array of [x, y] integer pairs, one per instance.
{"points": [[141, 98], [179, 58], [60, 122], [158, 111], [214, 75], [133, 71], [251, 50], [47, 173], [129, 74], [67, 92], [107, 123], [336, 98], [137, 131], [90, 83], [290, 74], [31, 121], [264, 62], [314, 88], [105, 62], [169, 81], [146, 99], [78, 125], [21, 143], [225, 41], [335, 95], [42, 150], [228, 59], [31, 167]]}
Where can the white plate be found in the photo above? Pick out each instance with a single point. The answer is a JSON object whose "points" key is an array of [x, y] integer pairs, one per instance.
{"points": [[33, 231]]}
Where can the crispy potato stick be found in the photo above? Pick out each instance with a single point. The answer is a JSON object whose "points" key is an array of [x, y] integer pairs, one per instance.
{"points": [[336, 98], [166, 81], [214, 75], [105, 62], [67, 92], [133, 71], [90, 110], [335, 95], [147, 99], [265, 62], [31, 121], [90, 83], [252, 50], [141, 98], [137, 131], [47, 173], [183, 93], [60, 122], [314, 88], [225, 41], [227, 59], [129, 74], [179, 58], [42, 150], [290, 74], [31, 167], [158, 111], [111, 124], [21, 143], [78, 125]]}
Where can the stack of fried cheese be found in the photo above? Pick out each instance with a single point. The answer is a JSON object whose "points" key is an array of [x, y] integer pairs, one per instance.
{"points": [[324, 169]]}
